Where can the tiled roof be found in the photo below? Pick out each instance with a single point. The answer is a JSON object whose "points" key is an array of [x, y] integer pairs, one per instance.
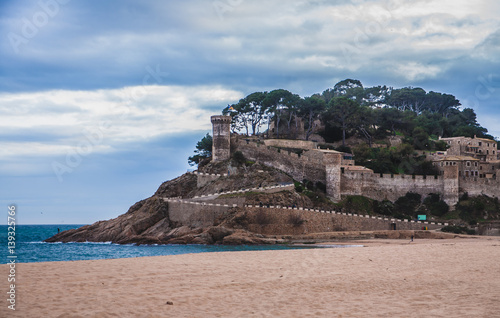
{"points": [[457, 158]]}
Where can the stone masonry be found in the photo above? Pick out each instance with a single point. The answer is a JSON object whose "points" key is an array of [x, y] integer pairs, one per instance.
{"points": [[221, 148], [343, 179]]}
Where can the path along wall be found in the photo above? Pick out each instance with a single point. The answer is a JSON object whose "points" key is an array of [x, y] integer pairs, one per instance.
{"points": [[282, 221], [195, 214]]}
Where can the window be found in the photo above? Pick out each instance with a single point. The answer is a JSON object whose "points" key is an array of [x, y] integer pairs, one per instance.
{"points": [[468, 163], [480, 143], [475, 164]]}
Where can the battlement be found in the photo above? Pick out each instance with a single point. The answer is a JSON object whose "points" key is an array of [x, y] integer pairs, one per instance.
{"points": [[221, 119], [302, 160]]}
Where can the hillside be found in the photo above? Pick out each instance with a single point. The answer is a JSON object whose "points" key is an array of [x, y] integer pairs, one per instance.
{"points": [[149, 221], [237, 200]]}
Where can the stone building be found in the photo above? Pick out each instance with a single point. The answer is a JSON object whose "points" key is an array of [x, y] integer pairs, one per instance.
{"points": [[480, 148], [467, 166], [476, 175]]}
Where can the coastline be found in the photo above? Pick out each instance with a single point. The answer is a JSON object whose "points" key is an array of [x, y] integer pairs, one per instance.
{"points": [[439, 278]]}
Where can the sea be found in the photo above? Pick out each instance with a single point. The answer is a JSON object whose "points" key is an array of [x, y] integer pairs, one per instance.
{"points": [[27, 246]]}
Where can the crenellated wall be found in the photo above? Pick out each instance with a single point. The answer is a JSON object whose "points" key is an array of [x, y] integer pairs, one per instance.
{"points": [[387, 186], [309, 165], [479, 186], [286, 143], [326, 166]]}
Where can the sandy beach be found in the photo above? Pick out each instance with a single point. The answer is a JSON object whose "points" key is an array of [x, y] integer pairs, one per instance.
{"points": [[387, 278]]}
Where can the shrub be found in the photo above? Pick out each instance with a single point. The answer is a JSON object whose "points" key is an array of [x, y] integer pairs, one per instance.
{"points": [[239, 158], [309, 184], [458, 229], [321, 186], [435, 205], [407, 204], [357, 204], [298, 187], [384, 207], [296, 220], [262, 218]]}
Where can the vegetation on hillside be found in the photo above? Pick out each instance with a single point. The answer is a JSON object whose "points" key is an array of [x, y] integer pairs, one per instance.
{"points": [[408, 206], [371, 114], [203, 150]]}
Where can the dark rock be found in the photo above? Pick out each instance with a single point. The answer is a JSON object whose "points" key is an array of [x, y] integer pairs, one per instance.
{"points": [[219, 233]]}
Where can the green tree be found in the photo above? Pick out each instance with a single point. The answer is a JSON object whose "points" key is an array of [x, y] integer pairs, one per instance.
{"points": [[203, 150], [408, 98], [421, 139], [365, 122], [407, 204], [342, 111], [310, 109], [441, 103], [435, 205], [389, 119], [279, 103]]}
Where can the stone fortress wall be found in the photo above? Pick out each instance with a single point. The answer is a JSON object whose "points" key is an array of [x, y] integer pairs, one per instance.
{"points": [[333, 169], [319, 165], [308, 166], [202, 214]]}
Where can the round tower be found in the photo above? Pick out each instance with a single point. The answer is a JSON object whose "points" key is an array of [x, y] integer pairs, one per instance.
{"points": [[221, 132]]}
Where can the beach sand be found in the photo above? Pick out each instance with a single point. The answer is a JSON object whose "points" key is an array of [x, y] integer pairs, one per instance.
{"points": [[389, 278]]}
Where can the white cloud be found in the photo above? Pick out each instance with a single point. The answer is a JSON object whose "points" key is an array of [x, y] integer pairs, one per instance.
{"points": [[416, 71], [114, 116]]}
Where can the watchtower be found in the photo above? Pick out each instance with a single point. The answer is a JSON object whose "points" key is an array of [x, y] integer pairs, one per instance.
{"points": [[333, 161], [221, 132], [451, 185]]}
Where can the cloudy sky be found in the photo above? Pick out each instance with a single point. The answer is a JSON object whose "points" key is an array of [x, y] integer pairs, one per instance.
{"points": [[101, 101]]}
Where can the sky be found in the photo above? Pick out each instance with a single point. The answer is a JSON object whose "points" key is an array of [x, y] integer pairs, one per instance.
{"points": [[102, 101]]}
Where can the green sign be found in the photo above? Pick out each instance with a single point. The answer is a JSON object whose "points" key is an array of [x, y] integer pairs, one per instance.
{"points": [[422, 217]]}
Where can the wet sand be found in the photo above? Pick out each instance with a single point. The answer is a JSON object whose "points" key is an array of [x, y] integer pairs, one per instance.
{"points": [[388, 278]]}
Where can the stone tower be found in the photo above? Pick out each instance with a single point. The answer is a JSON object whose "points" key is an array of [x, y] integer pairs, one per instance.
{"points": [[221, 137], [333, 161], [451, 186]]}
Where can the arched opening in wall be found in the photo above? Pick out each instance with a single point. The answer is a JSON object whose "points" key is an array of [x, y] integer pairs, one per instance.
{"points": [[392, 227]]}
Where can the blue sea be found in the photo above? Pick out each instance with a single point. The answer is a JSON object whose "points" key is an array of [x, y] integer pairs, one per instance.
{"points": [[29, 246]]}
